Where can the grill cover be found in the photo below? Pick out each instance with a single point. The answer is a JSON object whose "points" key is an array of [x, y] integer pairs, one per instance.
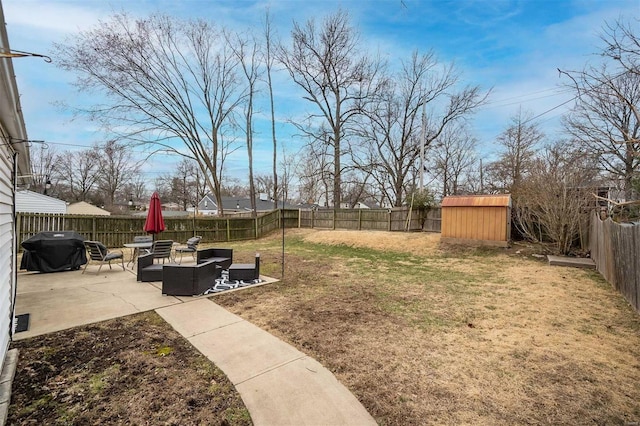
{"points": [[53, 252]]}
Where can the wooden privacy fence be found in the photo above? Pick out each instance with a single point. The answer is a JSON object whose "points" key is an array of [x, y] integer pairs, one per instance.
{"points": [[115, 231], [401, 219], [615, 248]]}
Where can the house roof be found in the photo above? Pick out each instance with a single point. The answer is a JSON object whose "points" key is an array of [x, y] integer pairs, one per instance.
{"points": [[34, 202], [11, 118], [238, 204], [165, 213], [82, 207], [499, 200]]}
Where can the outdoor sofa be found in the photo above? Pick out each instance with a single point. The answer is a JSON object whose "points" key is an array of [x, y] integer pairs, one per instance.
{"points": [[189, 280], [222, 257]]}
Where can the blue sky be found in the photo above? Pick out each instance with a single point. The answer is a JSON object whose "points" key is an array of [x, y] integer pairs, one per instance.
{"points": [[512, 47]]}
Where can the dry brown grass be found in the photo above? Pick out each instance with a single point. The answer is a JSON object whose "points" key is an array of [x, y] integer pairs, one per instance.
{"points": [[424, 334]]}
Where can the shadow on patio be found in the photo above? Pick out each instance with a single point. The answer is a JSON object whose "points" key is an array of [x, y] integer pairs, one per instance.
{"points": [[61, 300]]}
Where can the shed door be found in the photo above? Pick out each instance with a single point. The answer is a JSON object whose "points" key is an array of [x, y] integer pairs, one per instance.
{"points": [[7, 260]]}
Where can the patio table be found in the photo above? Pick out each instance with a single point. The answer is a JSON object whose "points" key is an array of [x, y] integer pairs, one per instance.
{"points": [[135, 251]]}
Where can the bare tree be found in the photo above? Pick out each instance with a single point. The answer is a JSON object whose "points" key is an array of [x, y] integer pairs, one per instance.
{"points": [[452, 156], [622, 44], [180, 185], [555, 197], [234, 188], [327, 63], [136, 191], [314, 175], [247, 51], [269, 59], [288, 165], [170, 84], [44, 169], [392, 127], [519, 143], [78, 171], [116, 169], [264, 184], [605, 119], [355, 187]]}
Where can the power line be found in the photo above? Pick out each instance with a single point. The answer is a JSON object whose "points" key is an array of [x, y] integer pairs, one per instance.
{"points": [[551, 109], [167, 153], [509, 100], [500, 105]]}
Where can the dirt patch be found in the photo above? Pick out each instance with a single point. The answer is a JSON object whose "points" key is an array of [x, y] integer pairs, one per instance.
{"points": [[423, 333], [131, 370], [408, 242]]}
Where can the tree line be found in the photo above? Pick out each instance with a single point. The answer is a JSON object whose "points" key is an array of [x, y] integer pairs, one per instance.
{"points": [[367, 130]]}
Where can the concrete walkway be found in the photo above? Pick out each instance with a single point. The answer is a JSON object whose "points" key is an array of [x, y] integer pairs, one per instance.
{"points": [[278, 384]]}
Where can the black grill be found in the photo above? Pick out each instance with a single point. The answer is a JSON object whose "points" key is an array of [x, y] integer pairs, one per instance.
{"points": [[53, 252]]}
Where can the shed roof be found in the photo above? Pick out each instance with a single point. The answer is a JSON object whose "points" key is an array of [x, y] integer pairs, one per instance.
{"points": [[500, 200]]}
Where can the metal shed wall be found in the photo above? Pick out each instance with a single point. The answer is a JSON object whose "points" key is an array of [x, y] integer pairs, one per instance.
{"points": [[477, 220]]}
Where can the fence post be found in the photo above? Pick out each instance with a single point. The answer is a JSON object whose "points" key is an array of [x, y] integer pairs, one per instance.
{"points": [[389, 220], [228, 231], [93, 229], [299, 218], [359, 219], [313, 218], [255, 225], [334, 218]]}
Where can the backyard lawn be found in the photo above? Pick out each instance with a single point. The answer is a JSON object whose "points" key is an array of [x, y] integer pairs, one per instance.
{"points": [[429, 335], [420, 333]]}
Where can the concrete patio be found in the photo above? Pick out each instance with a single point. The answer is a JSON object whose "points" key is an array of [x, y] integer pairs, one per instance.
{"points": [[62, 300], [278, 384]]}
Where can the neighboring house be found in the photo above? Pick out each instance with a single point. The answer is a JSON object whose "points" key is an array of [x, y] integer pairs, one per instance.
{"points": [[84, 208], [171, 206], [358, 205], [165, 214], [34, 202], [14, 170], [208, 206]]}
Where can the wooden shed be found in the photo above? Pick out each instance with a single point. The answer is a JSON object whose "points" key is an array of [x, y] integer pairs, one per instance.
{"points": [[477, 220]]}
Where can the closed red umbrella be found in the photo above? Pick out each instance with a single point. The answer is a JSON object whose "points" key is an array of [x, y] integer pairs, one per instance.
{"points": [[154, 223]]}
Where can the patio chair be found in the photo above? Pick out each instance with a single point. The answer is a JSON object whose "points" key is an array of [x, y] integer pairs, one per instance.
{"points": [[161, 249], [191, 247], [99, 253]]}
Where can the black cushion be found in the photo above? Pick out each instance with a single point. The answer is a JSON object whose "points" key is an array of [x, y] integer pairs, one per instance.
{"points": [[102, 248]]}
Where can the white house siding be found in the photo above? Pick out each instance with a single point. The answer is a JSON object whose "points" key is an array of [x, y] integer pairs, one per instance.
{"points": [[13, 135], [33, 202], [7, 261]]}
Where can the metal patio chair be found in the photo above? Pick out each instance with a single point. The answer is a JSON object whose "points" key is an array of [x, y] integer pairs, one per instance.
{"points": [[161, 249], [191, 247], [99, 253]]}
